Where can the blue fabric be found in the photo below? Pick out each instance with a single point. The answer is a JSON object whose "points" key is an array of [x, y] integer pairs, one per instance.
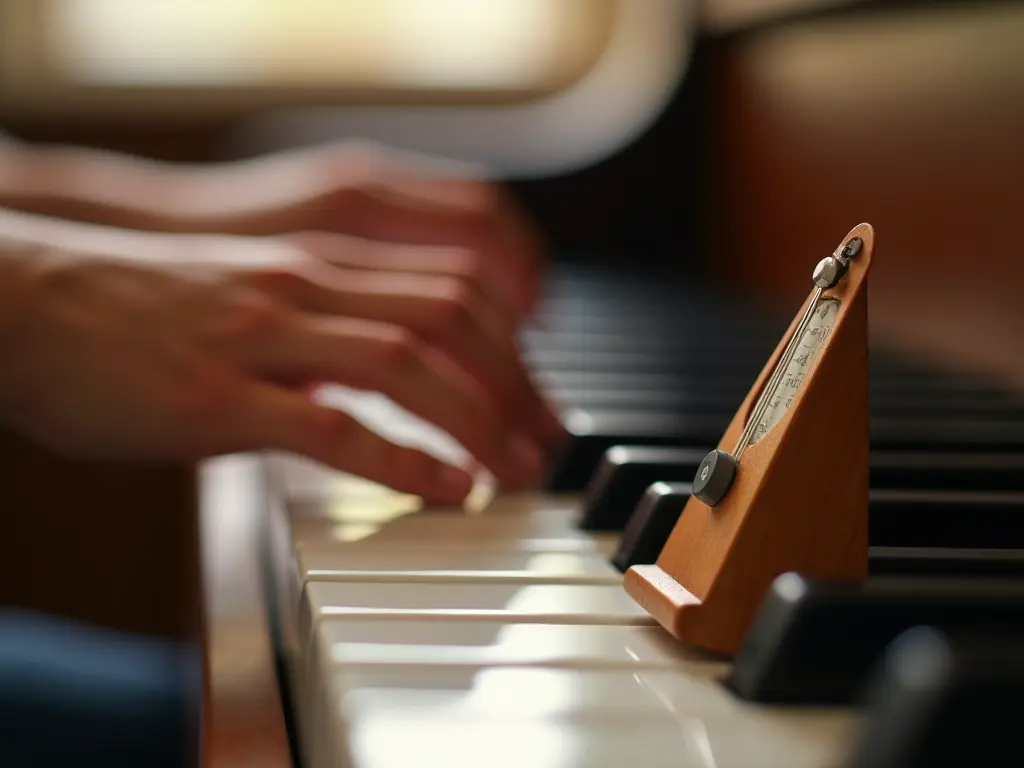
{"points": [[73, 695]]}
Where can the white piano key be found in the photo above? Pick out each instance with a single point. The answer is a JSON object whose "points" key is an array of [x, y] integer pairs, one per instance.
{"points": [[514, 518], [438, 567], [625, 739], [508, 603], [550, 603], [456, 715], [507, 537], [397, 648], [576, 560], [434, 566], [458, 551], [423, 642], [398, 643]]}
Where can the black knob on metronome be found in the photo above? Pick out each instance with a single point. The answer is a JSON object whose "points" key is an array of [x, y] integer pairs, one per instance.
{"points": [[714, 477]]}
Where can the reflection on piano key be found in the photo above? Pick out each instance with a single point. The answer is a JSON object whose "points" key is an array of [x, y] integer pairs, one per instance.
{"points": [[551, 603], [411, 642], [565, 718], [635, 739], [320, 565], [320, 521]]}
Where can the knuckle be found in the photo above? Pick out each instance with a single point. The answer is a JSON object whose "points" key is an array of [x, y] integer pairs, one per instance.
{"points": [[454, 307], [484, 197], [399, 349], [484, 206], [248, 316], [202, 394], [467, 265], [462, 292], [290, 282]]}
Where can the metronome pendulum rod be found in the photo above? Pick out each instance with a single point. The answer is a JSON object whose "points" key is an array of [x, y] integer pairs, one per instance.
{"points": [[773, 384], [716, 472]]}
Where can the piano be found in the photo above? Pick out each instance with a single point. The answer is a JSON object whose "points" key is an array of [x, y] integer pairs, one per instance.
{"points": [[503, 636], [337, 627], [347, 627]]}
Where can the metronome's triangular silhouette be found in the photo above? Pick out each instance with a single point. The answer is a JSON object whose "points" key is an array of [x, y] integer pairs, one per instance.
{"points": [[799, 498]]}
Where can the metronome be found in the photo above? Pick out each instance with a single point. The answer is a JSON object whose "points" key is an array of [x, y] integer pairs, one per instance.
{"points": [[787, 487]]}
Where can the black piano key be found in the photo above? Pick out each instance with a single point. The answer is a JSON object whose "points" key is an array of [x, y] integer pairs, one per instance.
{"points": [[545, 342], [651, 524], [936, 405], [692, 360], [952, 519], [566, 315], [646, 381], [941, 701], [646, 400], [939, 470], [945, 561], [634, 468], [590, 437], [591, 433], [622, 476], [947, 434], [689, 376], [892, 432], [921, 532], [815, 642]]}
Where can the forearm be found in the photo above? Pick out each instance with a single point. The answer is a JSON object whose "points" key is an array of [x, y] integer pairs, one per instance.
{"points": [[249, 197], [92, 186], [30, 246]]}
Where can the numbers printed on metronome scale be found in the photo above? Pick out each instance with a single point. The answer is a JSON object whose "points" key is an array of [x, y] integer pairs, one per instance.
{"points": [[814, 337]]}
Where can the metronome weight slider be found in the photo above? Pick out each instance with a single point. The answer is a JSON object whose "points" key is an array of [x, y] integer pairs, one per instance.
{"points": [[717, 471]]}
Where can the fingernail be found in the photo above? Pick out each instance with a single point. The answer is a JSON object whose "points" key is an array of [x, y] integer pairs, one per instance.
{"points": [[525, 454]]}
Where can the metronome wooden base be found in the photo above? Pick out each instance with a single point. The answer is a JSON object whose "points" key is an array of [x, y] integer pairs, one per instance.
{"points": [[799, 500]]}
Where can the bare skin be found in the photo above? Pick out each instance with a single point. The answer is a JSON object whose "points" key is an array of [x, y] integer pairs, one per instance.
{"points": [[350, 188], [139, 345]]}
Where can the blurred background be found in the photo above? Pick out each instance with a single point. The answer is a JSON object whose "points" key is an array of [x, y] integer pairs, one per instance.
{"points": [[737, 140], [679, 131]]}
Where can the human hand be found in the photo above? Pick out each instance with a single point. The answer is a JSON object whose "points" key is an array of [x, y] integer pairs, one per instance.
{"points": [[372, 192], [348, 188], [181, 347]]}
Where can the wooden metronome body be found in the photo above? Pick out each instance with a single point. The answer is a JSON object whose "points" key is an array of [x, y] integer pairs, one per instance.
{"points": [[799, 498]]}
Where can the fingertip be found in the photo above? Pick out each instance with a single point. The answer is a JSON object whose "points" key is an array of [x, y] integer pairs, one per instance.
{"points": [[451, 485]]}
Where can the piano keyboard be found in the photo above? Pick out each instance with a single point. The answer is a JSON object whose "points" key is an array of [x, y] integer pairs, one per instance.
{"points": [[503, 637]]}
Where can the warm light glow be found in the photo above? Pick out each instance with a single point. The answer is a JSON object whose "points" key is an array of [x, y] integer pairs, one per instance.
{"points": [[428, 43], [397, 740]]}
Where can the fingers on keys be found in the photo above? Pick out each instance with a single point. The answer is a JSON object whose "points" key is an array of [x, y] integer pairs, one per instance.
{"points": [[455, 317], [394, 360], [289, 420]]}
